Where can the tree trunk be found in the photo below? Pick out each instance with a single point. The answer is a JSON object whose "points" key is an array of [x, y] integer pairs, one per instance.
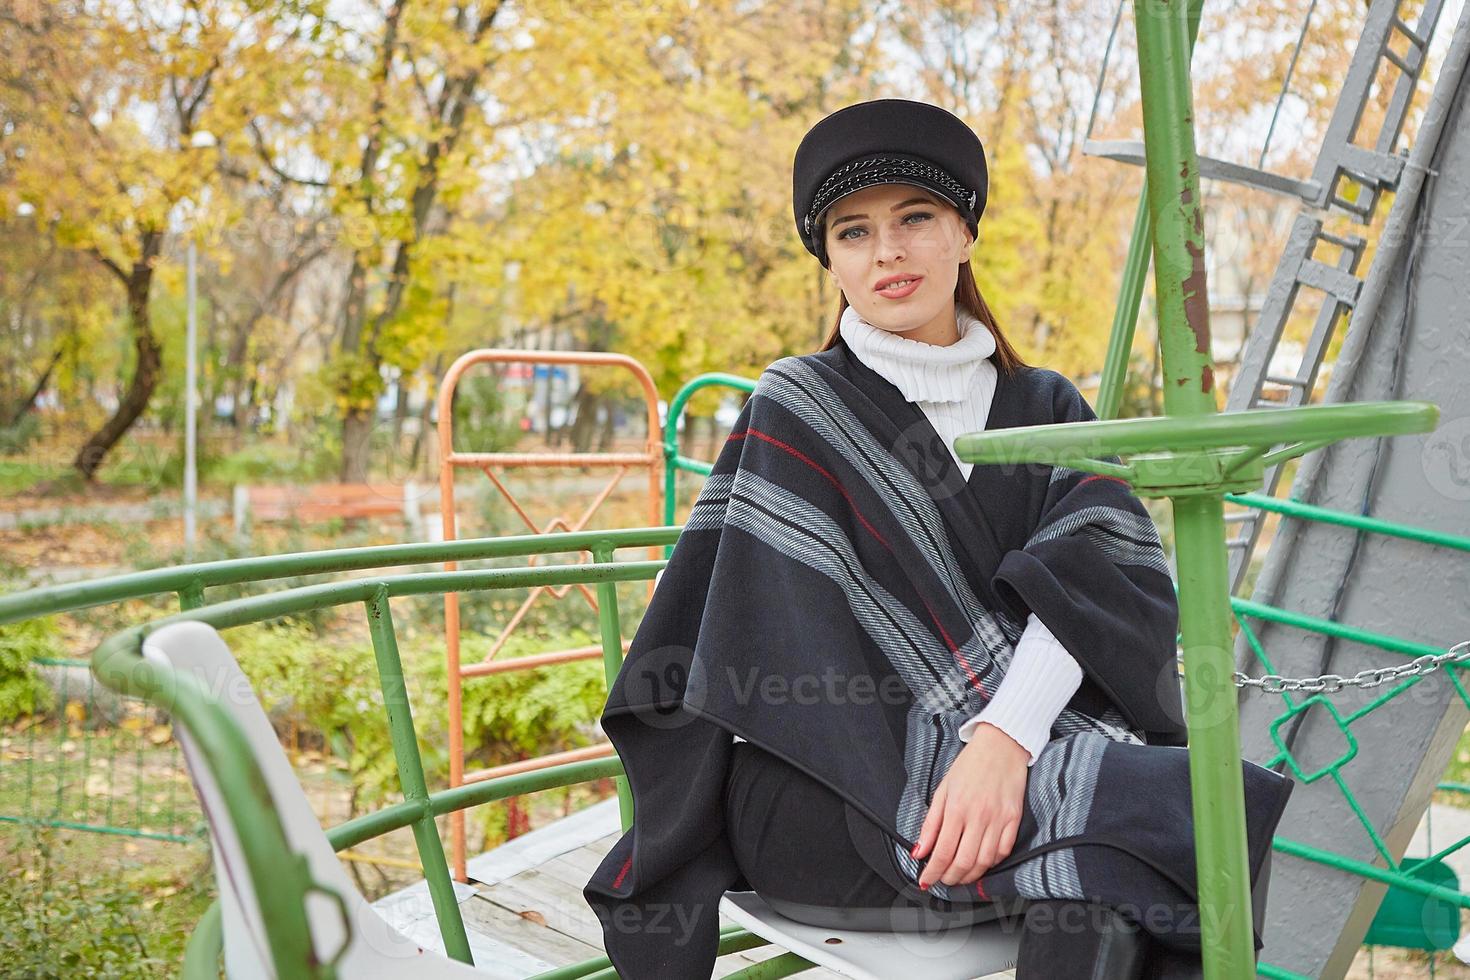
{"points": [[605, 435], [357, 432], [686, 435], [27, 403], [356, 421], [400, 410], [145, 374], [1040, 325], [585, 424], [235, 366], [547, 433], [251, 396], [452, 108], [426, 416]]}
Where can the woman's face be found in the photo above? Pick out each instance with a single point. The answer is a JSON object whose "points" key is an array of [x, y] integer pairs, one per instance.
{"points": [[890, 231]]}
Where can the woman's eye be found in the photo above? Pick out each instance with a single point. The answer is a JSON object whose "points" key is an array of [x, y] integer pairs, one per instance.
{"points": [[843, 235]]}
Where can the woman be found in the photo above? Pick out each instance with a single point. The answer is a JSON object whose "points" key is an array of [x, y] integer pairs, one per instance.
{"points": [[886, 689]]}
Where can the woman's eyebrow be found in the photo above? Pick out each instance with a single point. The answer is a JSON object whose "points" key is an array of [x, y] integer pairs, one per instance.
{"points": [[901, 204]]}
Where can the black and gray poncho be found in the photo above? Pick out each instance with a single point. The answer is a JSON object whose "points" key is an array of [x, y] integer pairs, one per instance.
{"points": [[844, 598]]}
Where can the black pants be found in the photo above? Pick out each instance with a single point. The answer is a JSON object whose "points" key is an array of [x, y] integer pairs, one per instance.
{"points": [[790, 838]]}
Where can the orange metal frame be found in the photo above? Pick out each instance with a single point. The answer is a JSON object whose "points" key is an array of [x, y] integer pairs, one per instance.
{"points": [[450, 460]]}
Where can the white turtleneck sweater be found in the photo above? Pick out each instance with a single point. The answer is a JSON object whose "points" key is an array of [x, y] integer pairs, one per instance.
{"points": [[953, 387]]}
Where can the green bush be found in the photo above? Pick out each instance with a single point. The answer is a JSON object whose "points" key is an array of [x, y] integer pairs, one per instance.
{"points": [[330, 690], [17, 438], [269, 461], [28, 473], [484, 419], [21, 692]]}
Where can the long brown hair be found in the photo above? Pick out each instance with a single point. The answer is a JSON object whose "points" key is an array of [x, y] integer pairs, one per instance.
{"points": [[966, 294]]}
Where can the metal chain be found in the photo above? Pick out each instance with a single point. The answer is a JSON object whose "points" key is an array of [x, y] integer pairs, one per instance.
{"points": [[1330, 683]]}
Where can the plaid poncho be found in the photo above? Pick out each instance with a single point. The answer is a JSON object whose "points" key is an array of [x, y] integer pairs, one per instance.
{"points": [[844, 598]]}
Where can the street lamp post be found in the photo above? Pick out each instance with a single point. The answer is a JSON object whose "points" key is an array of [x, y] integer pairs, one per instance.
{"points": [[200, 139]]}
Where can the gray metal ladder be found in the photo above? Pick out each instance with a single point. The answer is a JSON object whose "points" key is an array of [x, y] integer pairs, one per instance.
{"points": [[1348, 177], [1371, 172]]}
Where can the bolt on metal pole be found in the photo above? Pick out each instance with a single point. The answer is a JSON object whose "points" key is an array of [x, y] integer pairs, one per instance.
{"points": [[1216, 783]]}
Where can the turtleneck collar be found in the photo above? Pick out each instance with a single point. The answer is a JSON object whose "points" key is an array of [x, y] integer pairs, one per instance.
{"points": [[922, 372]]}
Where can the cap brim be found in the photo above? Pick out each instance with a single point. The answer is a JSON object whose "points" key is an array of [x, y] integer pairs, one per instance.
{"points": [[877, 178]]}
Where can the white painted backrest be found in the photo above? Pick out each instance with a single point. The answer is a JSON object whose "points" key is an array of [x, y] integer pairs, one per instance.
{"points": [[378, 950]]}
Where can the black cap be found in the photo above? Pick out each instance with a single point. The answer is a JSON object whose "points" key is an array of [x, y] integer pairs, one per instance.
{"points": [[886, 141]]}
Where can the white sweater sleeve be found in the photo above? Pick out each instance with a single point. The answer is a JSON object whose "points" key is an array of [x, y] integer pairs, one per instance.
{"points": [[1042, 678]]}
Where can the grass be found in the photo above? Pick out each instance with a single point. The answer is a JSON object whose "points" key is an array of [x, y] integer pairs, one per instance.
{"points": [[20, 475], [103, 905], [97, 906], [93, 904], [125, 779]]}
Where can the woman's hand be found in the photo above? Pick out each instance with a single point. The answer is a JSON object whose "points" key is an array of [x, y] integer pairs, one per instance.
{"points": [[976, 811]]}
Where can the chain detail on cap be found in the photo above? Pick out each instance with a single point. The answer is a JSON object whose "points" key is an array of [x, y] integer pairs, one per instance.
{"points": [[844, 181]]}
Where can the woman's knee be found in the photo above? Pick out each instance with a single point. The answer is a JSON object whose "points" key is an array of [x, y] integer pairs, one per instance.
{"points": [[789, 834], [1069, 938]]}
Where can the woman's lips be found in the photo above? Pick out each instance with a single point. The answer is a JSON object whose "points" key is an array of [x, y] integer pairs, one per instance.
{"points": [[900, 293]]}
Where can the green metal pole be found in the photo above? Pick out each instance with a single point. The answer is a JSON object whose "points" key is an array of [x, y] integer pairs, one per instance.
{"points": [[612, 661], [206, 945], [1216, 785], [673, 462], [191, 596], [1130, 290], [1213, 718], [1125, 316], [411, 777]]}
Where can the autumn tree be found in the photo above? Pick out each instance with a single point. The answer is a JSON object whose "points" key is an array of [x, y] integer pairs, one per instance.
{"points": [[108, 139], [659, 223], [390, 124], [54, 304]]}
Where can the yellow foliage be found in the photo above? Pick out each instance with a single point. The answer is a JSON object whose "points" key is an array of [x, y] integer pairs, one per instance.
{"points": [[615, 174]]}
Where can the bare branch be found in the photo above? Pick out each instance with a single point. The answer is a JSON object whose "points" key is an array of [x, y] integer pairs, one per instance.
{"points": [[110, 265], [204, 85], [178, 97], [264, 153]]}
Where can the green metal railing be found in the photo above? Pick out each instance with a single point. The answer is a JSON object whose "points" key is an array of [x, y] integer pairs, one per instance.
{"points": [[119, 664], [673, 461], [110, 778], [190, 581], [1433, 923]]}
